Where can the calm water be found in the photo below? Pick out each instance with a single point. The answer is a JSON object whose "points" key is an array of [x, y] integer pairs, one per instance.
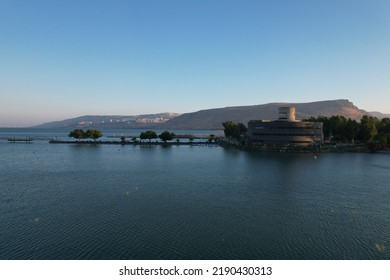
{"points": [[181, 202]]}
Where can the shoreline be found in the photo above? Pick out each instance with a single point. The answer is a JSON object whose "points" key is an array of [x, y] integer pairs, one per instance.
{"points": [[53, 141], [330, 148], [264, 149]]}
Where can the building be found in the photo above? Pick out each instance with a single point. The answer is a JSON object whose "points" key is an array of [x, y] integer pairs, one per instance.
{"points": [[285, 131]]}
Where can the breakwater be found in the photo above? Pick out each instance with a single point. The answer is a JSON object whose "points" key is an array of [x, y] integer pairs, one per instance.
{"points": [[56, 141]]}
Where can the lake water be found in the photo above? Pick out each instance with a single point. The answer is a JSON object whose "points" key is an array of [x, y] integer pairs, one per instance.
{"points": [[60, 201]]}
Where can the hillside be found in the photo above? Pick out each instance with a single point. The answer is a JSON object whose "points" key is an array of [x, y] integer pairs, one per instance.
{"points": [[213, 118], [138, 121], [380, 115]]}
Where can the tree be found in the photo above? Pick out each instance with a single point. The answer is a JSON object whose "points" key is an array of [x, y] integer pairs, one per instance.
{"points": [[384, 126], [351, 130], [384, 132], [337, 126], [77, 134], [234, 131], [94, 134], [149, 134], [325, 124], [383, 140], [90, 133], [230, 130], [368, 128], [166, 136]]}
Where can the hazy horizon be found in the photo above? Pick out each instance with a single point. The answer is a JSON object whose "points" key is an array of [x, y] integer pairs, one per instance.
{"points": [[61, 60], [146, 113]]}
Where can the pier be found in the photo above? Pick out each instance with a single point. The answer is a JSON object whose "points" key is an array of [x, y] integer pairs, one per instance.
{"points": [[177, 136], [20, 140], [134, 143]]}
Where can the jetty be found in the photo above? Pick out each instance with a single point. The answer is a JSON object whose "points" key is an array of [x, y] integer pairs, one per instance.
{"points": [[20, 140], [134, 143], [177, 136]]}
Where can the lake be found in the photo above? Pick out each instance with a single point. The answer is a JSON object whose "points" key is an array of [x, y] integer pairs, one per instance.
{"points": [[72, 201]]}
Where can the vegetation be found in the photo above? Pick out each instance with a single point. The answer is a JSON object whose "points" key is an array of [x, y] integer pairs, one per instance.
{"points": [[370, 130], [93, 134], [235, 131], [81, 134], [166, 136], [77, 134], [149, 134]]}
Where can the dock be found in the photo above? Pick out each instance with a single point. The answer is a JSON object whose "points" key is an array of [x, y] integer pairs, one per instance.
{"points": [[177, 136], [20, 140]]}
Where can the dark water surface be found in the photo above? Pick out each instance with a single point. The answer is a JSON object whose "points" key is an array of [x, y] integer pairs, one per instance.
{"points": [[182, 202]]}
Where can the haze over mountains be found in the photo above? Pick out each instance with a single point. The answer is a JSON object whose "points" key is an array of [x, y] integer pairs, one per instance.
{"points": [[213, 118], [112, 121]]}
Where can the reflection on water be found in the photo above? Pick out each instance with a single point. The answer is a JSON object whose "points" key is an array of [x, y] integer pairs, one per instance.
{"points": [[180, 202]]}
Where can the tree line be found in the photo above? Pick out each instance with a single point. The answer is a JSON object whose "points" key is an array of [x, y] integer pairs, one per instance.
{"points": [[167, 136], [145, 135], [369, 130], [95, 134], [150, 134], [81, 134]]}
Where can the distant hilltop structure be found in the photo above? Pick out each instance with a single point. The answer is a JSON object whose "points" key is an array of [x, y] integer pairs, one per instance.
{"points": [[285, 131]]}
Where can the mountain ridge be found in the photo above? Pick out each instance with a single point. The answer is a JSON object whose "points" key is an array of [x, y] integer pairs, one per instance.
{"points": [[214, 117], [111, 121]]}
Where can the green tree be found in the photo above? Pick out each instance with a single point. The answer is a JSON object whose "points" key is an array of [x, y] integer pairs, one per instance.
{"points": [[384, 132], [337, 125], [235, 131], [77, 134], [93, 134], [166, 136], [149, 134], [231, 130], [383, 139], [325, 124], [351, 130], [242, 128], [368, 128], [384, 126]]}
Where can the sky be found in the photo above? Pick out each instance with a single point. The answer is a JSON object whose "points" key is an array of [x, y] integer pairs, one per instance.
{"points": [[63, 59]]}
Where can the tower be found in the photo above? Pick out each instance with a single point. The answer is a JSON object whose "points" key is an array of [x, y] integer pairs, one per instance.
{"points": [[286, 114]]}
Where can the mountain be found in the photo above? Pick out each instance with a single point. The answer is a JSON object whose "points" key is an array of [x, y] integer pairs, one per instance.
{"points": [[213, 118], [139, 121], [380, 115]]}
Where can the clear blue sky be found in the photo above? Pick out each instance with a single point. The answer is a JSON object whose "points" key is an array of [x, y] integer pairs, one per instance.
{"points": [[62, 59]]}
